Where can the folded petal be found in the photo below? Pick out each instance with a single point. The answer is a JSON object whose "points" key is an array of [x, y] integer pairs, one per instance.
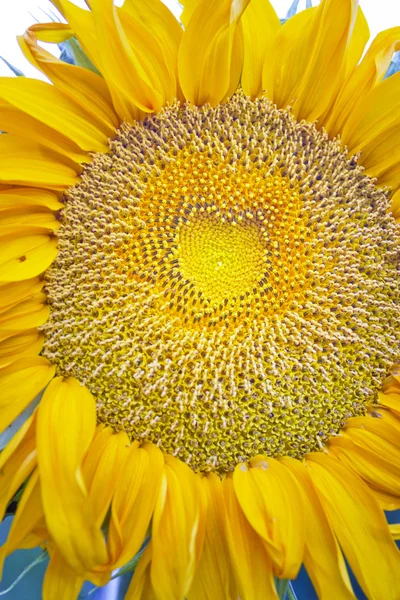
{"points": [[28, 163], [28, 343], [133, 502], [76, 123], [24, 196], [359, 524], [206, 51], [213, 579], [88, 89], [20, 383], [260, 23], [177, 530], [323, 558], [60, 581], [65, 429], [250, 561], [25, 315], [369, 73], [270, 497]]}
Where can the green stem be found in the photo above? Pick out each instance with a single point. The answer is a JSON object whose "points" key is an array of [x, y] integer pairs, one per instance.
{"points": [[37, 561]]}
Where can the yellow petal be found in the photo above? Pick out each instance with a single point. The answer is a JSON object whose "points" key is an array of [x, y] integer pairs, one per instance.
{"points": [[25, 315], [18, 123], [124, 65], [133, 502], [140, 587], [28, 163], [271, 500], [213, 579], [374, 115], [20, 383], [56, 110], [82, 24], [395, 206], [27, 197], [29, 343], [285, 66], [250, 561], [206, 51], [177, 530], [359, 525], [17, 461], [364, 78], [60, 581], [102, 469], [61, 450], [395, 531], [327, 41], [260, 23], [29, 513], [25, 257], [188, 9], [85, 87], [13, 293], [24, 218], [374, 468], [165, 34], [323, 558]]}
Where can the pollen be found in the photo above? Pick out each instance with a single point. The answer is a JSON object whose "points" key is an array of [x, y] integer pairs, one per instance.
{"points": [[226, 284]]}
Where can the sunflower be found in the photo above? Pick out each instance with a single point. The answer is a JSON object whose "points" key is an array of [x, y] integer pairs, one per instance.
{"points": [[199, 279]]}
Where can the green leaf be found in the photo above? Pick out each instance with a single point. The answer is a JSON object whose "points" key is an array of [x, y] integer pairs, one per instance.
{"points": [[16, 71], [72, 53]]}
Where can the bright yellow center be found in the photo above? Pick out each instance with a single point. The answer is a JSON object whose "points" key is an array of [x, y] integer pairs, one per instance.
{"points": [[226, 284], [223, 259]]}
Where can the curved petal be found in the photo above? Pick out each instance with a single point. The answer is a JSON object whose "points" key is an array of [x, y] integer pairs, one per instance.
{"points": [[323, 558], [61, 450], [250, 561], [20, 383], [328, 40], [213, 579], [177, 530], [16, 122], [13, 293], [126, 66], [133, 502], [85, 87], [17, 461], [373, 116], [60, 581], [166, 34], [80, 126], [140, 586], [28, 343], [25, 315], [289, 55], [24, 196], [358, 523], [206, 51], [28, 163], [260, 23], [364, 78], [28, 515], [272, 502]]}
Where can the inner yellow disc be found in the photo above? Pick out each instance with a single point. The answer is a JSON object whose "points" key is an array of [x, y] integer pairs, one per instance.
{"points": [[224, 259]]}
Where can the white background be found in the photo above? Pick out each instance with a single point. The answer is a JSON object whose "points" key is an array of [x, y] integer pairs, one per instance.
{"points": [[17, 15]]}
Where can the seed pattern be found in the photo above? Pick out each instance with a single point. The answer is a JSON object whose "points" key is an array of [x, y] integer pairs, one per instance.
{"points": [[226, 284]]}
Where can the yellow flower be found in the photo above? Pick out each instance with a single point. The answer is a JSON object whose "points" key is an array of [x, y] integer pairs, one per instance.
{"points": [[199, 264]]}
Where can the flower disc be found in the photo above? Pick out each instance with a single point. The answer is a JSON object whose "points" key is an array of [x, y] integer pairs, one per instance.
{"points": [[225, 284]]}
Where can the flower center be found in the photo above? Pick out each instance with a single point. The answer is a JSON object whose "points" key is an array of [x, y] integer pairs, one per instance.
{"points": [[226, 284]]}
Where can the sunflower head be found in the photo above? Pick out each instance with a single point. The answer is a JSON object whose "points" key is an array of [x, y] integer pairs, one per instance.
{"points": [[199, 268]]}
